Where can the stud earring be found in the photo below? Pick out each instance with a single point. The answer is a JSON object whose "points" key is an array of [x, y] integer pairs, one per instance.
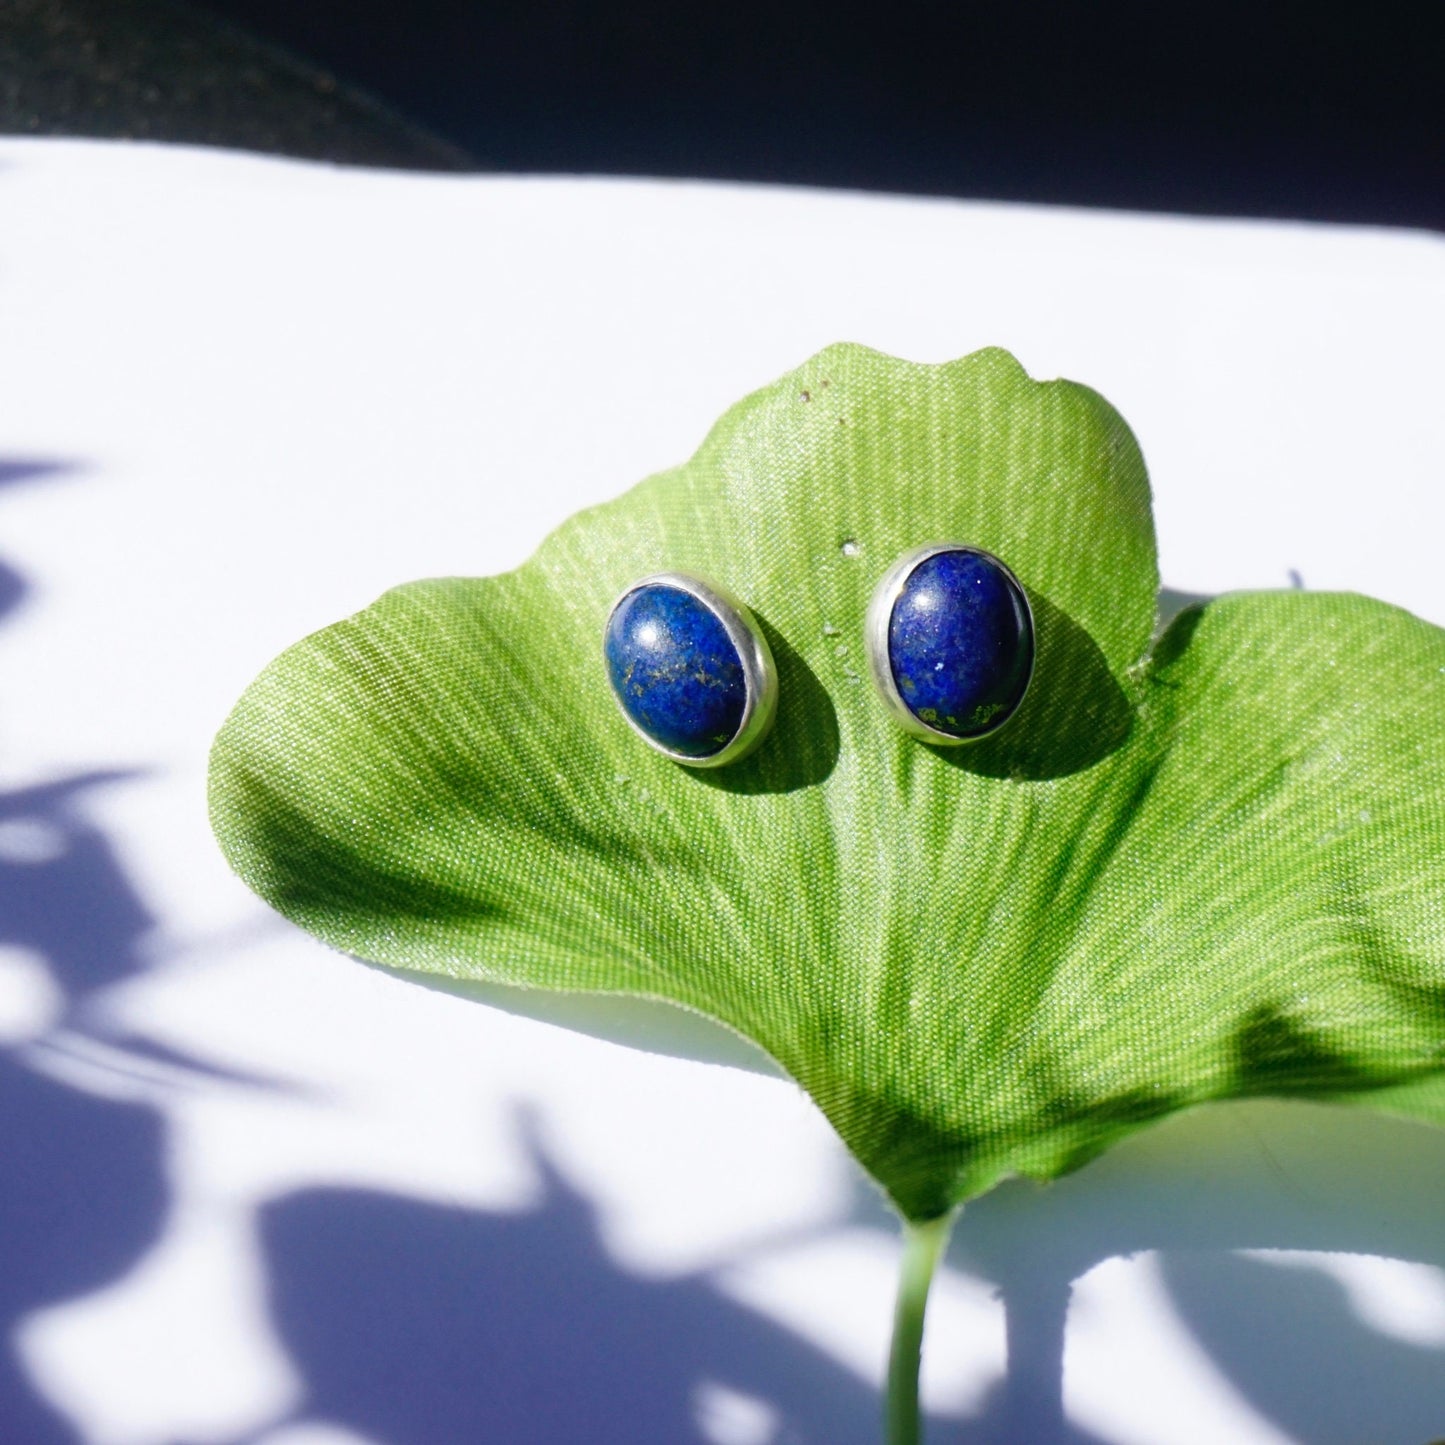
{"points": [[691, 669], [950, 639]]}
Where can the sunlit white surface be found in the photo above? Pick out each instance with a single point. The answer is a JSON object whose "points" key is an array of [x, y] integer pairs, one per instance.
{"points": [[1127, 1352], [239, 398]]}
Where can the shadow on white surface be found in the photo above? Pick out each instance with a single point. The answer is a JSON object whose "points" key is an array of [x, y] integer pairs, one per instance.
{"points": [[417, 1324], [82, 1194], [1260, 1321], [412, 1322], [83, 1197], [636, 1023], [13, 472], [1212, 1194]]}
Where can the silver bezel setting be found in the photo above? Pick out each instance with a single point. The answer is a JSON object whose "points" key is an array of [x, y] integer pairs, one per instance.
{"points": [[760, 673], [875, 638]]}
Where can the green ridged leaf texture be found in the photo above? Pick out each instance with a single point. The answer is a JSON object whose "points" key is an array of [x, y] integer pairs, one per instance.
{"points": [[1206, 868]]}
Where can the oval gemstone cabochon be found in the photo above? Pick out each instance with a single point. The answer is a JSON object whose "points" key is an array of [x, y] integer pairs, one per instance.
{"points": [[675, 670], [960, 643]]}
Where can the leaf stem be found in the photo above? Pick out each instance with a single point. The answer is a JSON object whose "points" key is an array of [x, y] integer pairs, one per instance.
{"points": [[922, 1245]]}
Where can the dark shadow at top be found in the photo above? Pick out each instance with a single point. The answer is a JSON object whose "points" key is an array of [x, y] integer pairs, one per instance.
{"points": [[167, 70], [1211, 110], [419, 1324], [802, 748], [1073, 715]]}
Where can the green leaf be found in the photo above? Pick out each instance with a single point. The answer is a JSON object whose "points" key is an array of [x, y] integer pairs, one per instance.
{"points": [[1211, 872]]}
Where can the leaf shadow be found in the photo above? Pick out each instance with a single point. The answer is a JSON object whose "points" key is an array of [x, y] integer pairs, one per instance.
{"points": [[86, 1188], [84, 1192], [422, 1323], [634, 1021], [1172, 601], [1194, 1190], [1073, 715], [1274, 1054], [12, 589], [802, 749], [64, 894], [84, 1197], [1258, 1319], [16, 471]]}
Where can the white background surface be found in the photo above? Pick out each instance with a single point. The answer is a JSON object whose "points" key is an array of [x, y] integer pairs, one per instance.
{"points": [[254, 1192]]}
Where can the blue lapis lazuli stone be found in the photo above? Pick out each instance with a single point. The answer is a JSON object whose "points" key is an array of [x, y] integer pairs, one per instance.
{"points": [[675, 670], [960, 643]]}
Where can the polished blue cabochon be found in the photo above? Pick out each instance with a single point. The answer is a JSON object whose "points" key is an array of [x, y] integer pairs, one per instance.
{"points": [[675, 670], [960, 642]]}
